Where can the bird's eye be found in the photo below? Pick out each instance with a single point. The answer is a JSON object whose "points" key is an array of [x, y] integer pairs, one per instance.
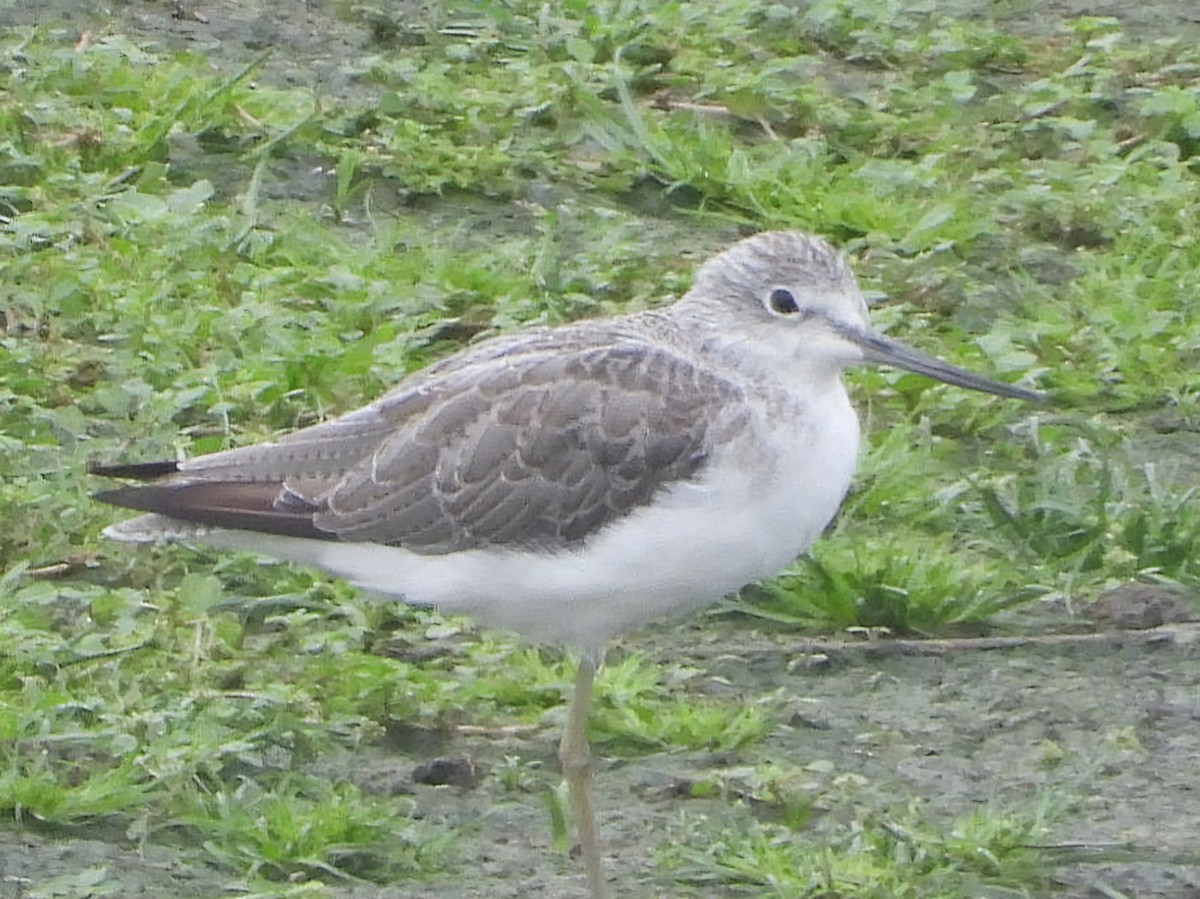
{"points": [[782, 301]]}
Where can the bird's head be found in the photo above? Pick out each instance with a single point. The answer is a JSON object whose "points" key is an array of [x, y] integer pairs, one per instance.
{"points": [[783, 295]]}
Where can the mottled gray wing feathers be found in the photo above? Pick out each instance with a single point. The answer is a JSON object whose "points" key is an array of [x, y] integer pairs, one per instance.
{"points": [[539, 455], [524, 443]]}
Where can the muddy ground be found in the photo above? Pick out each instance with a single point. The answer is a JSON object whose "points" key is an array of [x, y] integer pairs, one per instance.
{"points": [[1107, 727], [1098, 730]]}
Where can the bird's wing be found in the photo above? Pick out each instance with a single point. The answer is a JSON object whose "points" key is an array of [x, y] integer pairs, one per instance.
{"points": [[531, 448]]}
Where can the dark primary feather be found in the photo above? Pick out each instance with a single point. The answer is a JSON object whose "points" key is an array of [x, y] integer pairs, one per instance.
{"points": [[522, 443], [247, 507]]}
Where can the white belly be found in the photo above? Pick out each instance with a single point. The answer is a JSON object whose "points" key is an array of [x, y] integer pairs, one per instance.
{"points": [[762, 504]]}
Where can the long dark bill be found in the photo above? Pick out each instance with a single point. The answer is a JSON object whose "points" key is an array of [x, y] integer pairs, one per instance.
{"points": [[886, 351]]}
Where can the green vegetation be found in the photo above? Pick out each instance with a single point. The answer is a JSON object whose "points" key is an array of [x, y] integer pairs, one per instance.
{"points": [[195, 259], [879, 859]]}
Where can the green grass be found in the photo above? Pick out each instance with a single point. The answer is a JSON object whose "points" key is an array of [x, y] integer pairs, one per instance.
{"points": [[1028, 206], [985, 854]]}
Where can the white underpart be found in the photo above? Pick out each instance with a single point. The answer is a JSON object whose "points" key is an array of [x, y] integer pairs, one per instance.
{"points": [[758, 509]]}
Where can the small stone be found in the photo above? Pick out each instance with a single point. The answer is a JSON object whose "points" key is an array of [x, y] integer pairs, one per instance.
{"points": [[459, 771]]}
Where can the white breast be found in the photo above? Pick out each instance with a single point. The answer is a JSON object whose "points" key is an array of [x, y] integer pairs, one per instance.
{"points": [[763, 501]]}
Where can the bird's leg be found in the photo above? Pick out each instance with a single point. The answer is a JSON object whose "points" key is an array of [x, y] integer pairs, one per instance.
{"points": [[576, 760]]}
